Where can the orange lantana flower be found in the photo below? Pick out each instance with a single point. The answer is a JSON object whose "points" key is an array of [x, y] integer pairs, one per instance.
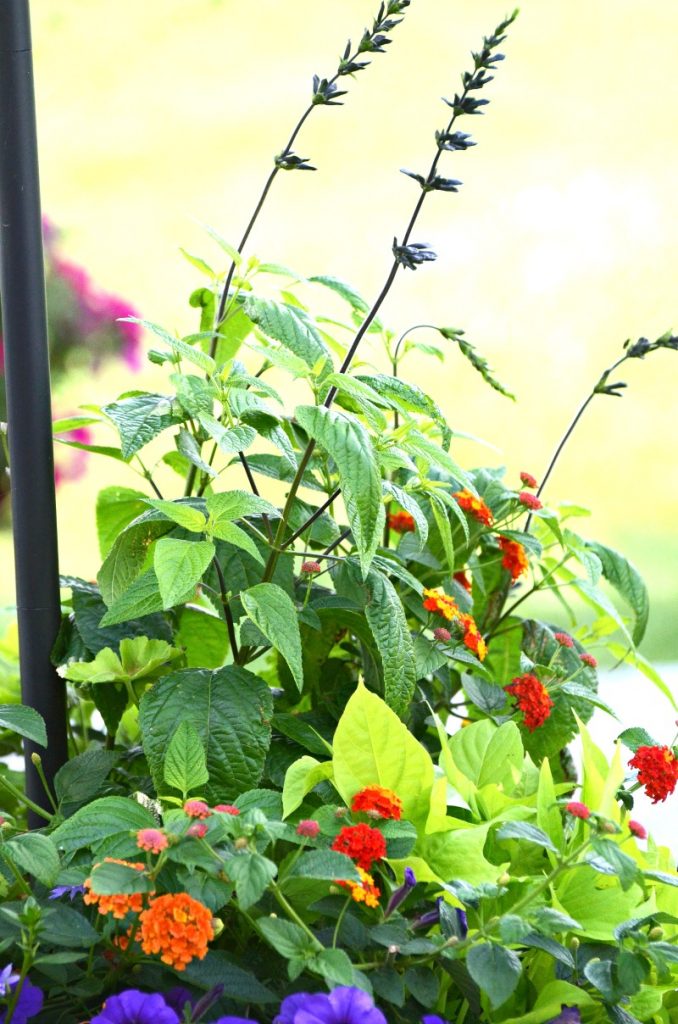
{"points": [[401, 522], [472, 636], [379, 801], [475, 507], [118, 904], [515, 558], [178, 927], [364, 891]]}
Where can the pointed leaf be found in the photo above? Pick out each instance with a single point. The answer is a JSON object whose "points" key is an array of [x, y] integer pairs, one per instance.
{"points": [[179, 565], [272, 610]]}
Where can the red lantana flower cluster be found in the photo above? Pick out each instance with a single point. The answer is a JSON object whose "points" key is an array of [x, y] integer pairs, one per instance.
{"points": [[532, 698], [401, 522], [361, 843], [528, 480], [515, 558], [530, 501], [379, 801], [475, 507], [657, 771], [463, 580]]}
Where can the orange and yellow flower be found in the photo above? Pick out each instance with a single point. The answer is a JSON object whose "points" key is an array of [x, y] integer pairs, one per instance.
{"points": [[475, 507], [515, 557], [437, 601], [118, 904], [472, 636], [178, 927], [378, 800], [364, 891]]}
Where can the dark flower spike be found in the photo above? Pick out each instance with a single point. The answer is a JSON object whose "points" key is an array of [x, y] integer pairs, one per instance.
{"points": [[326, 93], [435, 183], [412, 255], [454, 141], [291, 162]]}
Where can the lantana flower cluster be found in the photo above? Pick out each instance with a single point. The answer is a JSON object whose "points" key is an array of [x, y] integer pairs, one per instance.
{"points": [[440, 603]]}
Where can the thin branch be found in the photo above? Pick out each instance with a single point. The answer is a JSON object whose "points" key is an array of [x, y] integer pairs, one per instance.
{"points": [[312, 518], [230, 625]]}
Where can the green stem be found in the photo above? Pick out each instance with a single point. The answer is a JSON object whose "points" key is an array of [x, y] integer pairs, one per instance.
{"points": [[18, 795], [340, 921], [292, 914]]}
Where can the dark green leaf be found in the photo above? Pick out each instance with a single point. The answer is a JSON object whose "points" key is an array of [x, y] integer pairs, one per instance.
{"points": [[495, 969], [24, 721]]}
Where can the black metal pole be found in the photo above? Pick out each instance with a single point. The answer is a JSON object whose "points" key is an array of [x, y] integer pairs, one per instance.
{"points": [[29, 415]]}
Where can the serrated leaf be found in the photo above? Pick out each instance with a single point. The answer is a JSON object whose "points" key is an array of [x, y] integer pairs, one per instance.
{"points": [[34, 854], [350, 446], [230, 709], [190, 449], [139, 417], [196, 356], [291, 327], [116, 508], [411, 505], [109, 879], [101, 819], [24, 721], [141, 598], [326, 865], [236, 536], [273, 612], [628, 583], [286, 938], [124, 562], [636, 737], [232, 505], [230, 441], [185, 766], [180, 565]]}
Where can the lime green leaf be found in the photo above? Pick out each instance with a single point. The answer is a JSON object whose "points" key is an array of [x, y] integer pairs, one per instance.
{"points": [[24, 721], [180, 564], [373, 747], [125, 560], [141, 598], [185, 766], [273, 611], [300, 778], [527, 832], [232, 505], [487, 754], [198, 263], [230, 441], [225, 530], [181, 513], [350, 446], [229, 708], [139, 417], [196, 356]]}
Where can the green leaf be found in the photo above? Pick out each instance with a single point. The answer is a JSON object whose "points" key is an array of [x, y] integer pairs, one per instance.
{"points": [[35, 854], [181, 513], [103, 818], [24, 721], [292, 328], [373, 747], [624, 866], [185, 766], [406, 397], [274, 613], [636, 737], [487, 754], [386, 617], [529, 833], [231, 505], [418, 444], [198, 263], [286, 938], [335, 966], [180, 348], [628, 583], [350, 446], [252, 874], [444, 529], [179, 566], [327, 865], [203, 638], [477, 361], [109, 878], [230, 441], [190, 449], [116, 508], [230, 710], [411, 505], [216, 969], [495, 970], [141, 598], [82, 776], [139, 417], [126, 559], [357, 303], [232, 534]]}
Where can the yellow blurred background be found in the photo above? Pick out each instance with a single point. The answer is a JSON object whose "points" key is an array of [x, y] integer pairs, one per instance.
{"points": [[158, 114]]}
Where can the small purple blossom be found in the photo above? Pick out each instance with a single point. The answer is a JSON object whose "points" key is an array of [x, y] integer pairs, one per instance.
{"points": [[66, 890], [433, 1018], [344, 1005], [462, 922], [567, 1015], [135, 1007], [8, 978], [429, 918], [29, 1002], [177, 998], [402, 892]]}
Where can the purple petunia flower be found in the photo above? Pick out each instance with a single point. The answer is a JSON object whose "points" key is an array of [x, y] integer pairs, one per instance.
{"points": [[344, 1005], [235, 1020], [29, 1002], [401, 893], [289, 1007], [567, 1015], [134, 1007], [433, 1018]]}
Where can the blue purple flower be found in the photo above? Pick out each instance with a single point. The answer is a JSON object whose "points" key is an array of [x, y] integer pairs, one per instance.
{"points": [[567, 1015], [30, 997], [402, 892], [135, 1007], [343, 1005], [433, 1018], [66, 890]]}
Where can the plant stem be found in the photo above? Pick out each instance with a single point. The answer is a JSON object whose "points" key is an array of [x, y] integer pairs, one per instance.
{"points": [[312, 518], [228, 615], [18, 795], [292, 914]]}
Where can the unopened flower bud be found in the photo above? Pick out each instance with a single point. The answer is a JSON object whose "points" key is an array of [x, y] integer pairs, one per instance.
{"points": [[341, 812], [241, 843], [394, 950], [36, 759], [310, 567], [608, 827], [574, 943], [453, 940], [504, 878], [308, 828], [217, 926], [655, 933]]}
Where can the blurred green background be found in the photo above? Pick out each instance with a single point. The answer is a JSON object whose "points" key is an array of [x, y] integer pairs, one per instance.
{"points": [[157, 115]]}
